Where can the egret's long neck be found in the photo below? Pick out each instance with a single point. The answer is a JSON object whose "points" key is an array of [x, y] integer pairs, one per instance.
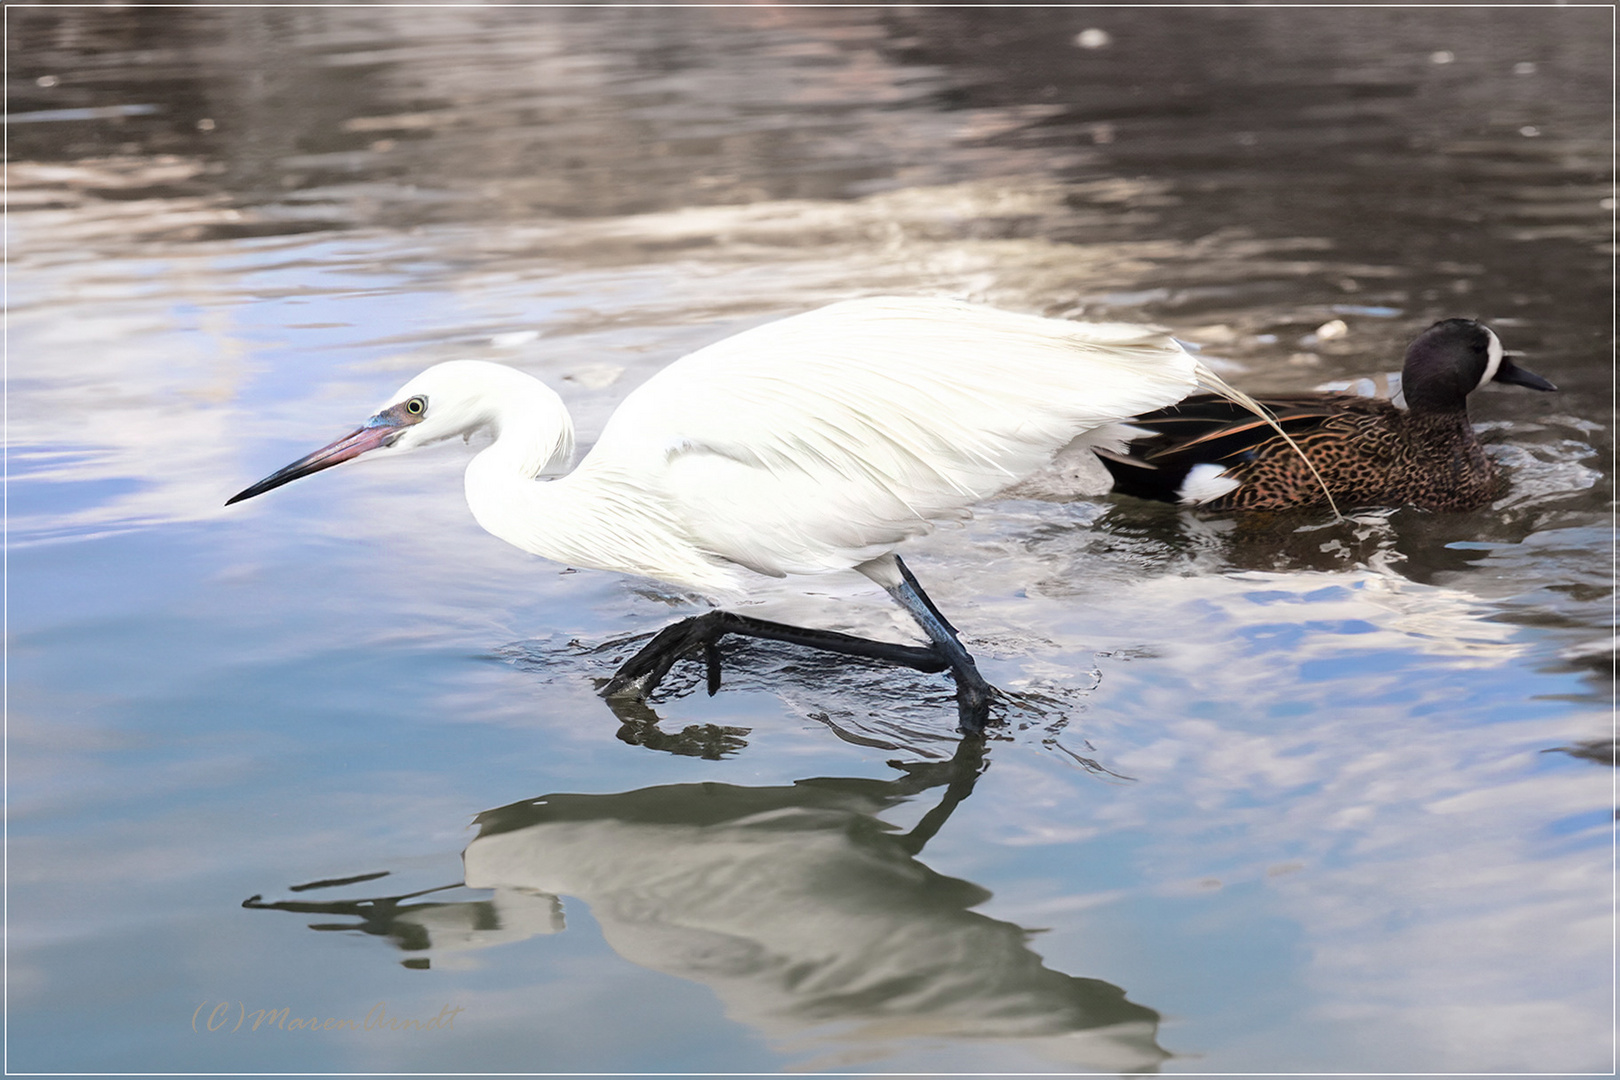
{"points": [[592, 517], [533, 435]]}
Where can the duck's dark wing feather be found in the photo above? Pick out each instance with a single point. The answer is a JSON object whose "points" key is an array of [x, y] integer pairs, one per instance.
{"points": [[1205, 429]]}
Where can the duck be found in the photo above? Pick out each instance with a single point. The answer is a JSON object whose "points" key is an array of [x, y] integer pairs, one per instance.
{"points": [[1363, 452]]}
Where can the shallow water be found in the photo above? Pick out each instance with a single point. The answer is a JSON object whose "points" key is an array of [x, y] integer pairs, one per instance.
{"points": [[1279, 793]]}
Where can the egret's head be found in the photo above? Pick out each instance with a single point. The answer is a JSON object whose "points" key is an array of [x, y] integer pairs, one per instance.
{"points": [[458, 397]]}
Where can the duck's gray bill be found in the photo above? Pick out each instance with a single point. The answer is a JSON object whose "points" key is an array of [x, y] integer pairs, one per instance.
{"points": [[377, 432], [1509, 372]]}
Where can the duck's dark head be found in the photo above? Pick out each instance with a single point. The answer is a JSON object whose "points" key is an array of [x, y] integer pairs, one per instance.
{"points": [[1452, 359]]}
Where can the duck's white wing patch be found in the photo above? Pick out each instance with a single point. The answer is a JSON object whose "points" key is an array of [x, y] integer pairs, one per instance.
{"points": [[1205, 482]]}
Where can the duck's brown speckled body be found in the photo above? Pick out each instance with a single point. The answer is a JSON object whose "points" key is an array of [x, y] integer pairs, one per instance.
{"points": [[1207, 452]]}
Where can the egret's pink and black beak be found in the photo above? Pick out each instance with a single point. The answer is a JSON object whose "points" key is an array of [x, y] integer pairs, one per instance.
{"points": [[1509, 372], [380, 430]]}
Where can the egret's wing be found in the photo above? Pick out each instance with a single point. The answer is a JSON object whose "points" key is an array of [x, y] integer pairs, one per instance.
{"points": [[820, 441]]}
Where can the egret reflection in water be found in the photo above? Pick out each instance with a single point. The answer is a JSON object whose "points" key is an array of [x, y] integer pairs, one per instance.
{"points": [[811, 918]]}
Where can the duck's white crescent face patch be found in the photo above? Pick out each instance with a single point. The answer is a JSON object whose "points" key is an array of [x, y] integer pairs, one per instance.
{"points": [[1493, 349]]}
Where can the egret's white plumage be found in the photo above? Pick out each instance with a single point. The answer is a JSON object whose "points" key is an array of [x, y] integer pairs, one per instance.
{"points": [[811, 444]]}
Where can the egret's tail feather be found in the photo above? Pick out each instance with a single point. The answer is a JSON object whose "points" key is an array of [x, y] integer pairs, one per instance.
{"points": [[1214, 383]]}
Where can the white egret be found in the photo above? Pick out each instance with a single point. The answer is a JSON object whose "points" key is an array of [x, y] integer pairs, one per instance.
{"points": [[812, 444]]}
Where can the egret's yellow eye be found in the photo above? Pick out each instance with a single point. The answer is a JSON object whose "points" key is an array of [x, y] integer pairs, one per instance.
{"points": [[416, 406]]}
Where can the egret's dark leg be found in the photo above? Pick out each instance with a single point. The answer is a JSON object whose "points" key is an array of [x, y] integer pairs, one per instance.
{"points": [[973, 694], [645, 670]]}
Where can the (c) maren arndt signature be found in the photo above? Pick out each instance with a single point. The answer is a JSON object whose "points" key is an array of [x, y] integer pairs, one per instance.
{"points": [[234, 1016]]}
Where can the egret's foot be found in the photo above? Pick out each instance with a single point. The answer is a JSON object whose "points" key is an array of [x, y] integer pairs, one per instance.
{"points": [[640, 675], [973, 697], [700, 636]]}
